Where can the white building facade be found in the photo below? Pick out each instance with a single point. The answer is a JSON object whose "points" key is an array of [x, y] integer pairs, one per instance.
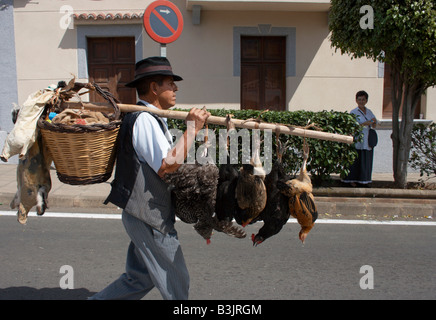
{"points": [[232, 54]]}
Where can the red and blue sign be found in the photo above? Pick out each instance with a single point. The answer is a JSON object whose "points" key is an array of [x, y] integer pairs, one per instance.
{"points": [[163, 21]]}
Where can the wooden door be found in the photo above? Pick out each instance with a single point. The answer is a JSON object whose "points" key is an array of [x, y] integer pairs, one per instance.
{"points": [[111, 64], [263, 73]]}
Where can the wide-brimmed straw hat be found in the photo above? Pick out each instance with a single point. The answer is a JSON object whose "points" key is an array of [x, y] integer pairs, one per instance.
{"points": [[150, 67]]}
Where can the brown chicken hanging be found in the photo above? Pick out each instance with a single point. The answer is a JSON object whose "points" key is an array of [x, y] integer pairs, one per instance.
{"points": [[301, 201], [250, 189]]}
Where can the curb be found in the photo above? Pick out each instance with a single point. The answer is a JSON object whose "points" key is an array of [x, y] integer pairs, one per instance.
{"points": [[376, 203], [331, 203], [376, 208], [374, 193]]}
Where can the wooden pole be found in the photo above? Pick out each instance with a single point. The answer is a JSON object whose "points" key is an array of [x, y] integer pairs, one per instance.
{"points": [[181, 115]]}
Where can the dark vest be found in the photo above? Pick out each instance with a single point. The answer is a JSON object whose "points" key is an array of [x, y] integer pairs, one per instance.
{"points": [[136, 187]]}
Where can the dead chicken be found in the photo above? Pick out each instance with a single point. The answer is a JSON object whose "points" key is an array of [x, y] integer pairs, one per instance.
{"points": [[276, 212], [250, 188], [226, 203], [194, 194], [301, 201], [226, 206], [194, 197]]}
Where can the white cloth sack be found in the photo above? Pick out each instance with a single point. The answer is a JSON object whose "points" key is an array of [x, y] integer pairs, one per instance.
{"points": [[24, 133]]}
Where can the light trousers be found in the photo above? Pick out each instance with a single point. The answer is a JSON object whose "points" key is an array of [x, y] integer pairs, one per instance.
{"points": [[153, 260]]}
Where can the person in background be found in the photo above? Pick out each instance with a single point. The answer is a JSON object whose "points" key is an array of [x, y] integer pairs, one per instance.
{"points": [[145, 154], [361, 170]]}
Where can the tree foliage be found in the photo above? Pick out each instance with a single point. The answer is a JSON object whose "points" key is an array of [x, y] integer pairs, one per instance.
{"points": [[404, 36], [403, 30]]}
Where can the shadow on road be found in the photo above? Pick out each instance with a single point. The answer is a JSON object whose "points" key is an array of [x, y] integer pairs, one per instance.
{"points": [[27, 293]]}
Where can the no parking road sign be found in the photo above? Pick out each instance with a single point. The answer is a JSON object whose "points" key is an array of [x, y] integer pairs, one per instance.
{"points": [[163, 21]]}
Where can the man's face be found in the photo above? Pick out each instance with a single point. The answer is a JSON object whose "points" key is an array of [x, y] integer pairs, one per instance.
{"points": [[167, 93]]}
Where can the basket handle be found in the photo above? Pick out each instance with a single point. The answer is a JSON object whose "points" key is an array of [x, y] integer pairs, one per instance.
{"points": [[112, 100]]}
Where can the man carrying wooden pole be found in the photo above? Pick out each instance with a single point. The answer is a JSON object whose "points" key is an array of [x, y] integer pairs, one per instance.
{"points": [[145, 154]]}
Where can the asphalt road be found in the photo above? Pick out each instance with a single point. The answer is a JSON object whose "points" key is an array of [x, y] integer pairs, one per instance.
{"points": [[402, 261]]}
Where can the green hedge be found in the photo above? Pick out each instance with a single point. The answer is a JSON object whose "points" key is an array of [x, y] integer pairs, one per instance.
{"points": [[326, 157]]}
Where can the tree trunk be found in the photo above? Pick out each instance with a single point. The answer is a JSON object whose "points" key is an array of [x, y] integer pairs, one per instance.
{"points": [[405, 95]]}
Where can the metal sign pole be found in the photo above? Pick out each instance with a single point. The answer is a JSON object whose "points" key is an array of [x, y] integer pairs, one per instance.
{"points": [[163, 50]]}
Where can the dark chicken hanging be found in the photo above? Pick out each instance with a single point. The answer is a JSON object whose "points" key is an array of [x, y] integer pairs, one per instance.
{"points": [[194, 197], [276, 212], [226, 205]]}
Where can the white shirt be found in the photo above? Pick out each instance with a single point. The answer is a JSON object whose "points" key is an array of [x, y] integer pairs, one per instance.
{"points": [[149, 141], [361, 118]]}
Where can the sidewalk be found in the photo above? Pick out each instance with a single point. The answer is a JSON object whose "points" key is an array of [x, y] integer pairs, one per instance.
{"points": [[337, 202], [62, 195]]}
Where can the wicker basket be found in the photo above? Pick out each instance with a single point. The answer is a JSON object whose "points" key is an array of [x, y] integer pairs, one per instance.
{"points": [[83, 154]]}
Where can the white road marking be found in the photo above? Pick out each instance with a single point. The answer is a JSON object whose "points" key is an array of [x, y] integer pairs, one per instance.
{"points": [[377, 222], [67, 215], [116, 216]]}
